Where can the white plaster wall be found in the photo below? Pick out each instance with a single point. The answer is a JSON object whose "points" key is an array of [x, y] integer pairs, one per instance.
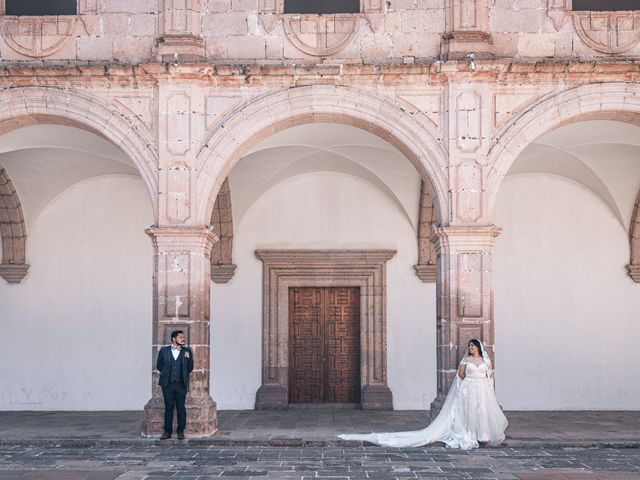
{"points": [[77, 331], [323, 210], [566, 313]]}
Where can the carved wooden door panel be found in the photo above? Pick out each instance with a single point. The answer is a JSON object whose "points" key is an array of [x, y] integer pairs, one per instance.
{"points": [[324, 345]]}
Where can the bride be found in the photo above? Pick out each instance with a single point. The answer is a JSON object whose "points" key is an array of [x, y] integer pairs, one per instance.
{"points": [[470, 413]]}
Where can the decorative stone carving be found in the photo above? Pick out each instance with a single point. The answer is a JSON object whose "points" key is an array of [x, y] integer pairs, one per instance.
{"points": [[12, 232], [178, 192], [468, 192], [38, 37], [558, 12], [426, 267], [320, 35], [468, 121], [180, 29], [222, 267], [467, 24], [317, 268], [178, 126], [608, 32]]}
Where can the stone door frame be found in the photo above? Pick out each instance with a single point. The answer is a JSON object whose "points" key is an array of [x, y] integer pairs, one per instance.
{"points": [[324, 268]]}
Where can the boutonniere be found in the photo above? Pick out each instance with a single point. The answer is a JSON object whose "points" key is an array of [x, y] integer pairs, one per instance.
{"points": [[186, 354]]}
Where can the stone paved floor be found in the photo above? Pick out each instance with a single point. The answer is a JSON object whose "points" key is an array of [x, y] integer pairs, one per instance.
{"points": [[318, 427], [302, 463]]}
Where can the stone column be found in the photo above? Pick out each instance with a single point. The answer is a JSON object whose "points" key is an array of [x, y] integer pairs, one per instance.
{"points": [[182, 269], [464, 296]]}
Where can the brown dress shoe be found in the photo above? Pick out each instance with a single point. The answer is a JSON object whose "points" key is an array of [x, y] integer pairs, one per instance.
{"points": [[181, 436], [165, 435]]}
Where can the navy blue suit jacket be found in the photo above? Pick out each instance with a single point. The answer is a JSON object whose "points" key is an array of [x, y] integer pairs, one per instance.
{"points": [[185, 363]]}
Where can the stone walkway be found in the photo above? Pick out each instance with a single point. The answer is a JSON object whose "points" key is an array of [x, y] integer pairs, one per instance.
{"points": [[312, 428], [186, 462]]}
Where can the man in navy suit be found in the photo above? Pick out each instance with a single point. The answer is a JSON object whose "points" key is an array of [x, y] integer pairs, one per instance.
{"points": [[175, 363]]}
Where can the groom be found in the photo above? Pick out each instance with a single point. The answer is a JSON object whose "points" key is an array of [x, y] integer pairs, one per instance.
{"points": [[175, 363]]}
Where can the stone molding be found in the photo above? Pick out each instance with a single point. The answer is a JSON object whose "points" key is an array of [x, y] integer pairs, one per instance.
{"points": [[467, 30], [426, 267], [180, 32], [13, 232], [606, 100], [22, 106], [232, 136], [222, 267], [283, 269]]}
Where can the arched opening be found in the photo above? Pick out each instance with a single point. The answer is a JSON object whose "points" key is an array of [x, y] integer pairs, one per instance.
{"points": [[312, 201], [566, 310], [83, 310]]}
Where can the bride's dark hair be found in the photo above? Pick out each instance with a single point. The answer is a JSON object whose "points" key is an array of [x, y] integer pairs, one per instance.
{"points": [[476, 342]]}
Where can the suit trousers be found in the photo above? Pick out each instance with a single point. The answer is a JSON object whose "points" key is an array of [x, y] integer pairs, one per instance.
{"points": [[174, 395]]}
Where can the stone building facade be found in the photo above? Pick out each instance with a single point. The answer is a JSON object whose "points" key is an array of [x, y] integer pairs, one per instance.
{"points": [[185, 90]]}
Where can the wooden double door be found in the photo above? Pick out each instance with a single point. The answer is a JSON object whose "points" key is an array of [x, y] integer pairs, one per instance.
{"points": [[324, 345]]}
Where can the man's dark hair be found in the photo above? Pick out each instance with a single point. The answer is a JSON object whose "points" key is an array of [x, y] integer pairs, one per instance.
{"points": [[175, 333]]}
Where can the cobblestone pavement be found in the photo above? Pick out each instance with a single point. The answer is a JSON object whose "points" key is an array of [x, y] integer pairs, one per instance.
{"points": [[207, 462]]}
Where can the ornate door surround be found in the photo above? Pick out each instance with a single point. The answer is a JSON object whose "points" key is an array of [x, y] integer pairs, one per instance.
{"points": [[283, 269]]}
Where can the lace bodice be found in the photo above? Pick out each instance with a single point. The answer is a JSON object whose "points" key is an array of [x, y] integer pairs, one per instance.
{"points": [[476, 371]]}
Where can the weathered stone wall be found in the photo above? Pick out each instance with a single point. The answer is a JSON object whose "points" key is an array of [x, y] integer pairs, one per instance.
{"points": [[257, 31]]}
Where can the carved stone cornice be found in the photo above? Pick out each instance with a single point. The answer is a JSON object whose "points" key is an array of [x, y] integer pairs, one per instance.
{"points": [[634, 272], [12, 272], [462, 237], [222, 273], [176, 238]]}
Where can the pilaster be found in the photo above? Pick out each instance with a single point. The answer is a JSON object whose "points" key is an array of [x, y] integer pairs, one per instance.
{"points": [[182, 269], [180, 38], [464, 297], [467, 23]]}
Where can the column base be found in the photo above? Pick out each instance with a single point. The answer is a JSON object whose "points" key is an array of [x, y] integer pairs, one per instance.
{"points": [[272, 397], [202, 417], [437, 404], [377, 397]]}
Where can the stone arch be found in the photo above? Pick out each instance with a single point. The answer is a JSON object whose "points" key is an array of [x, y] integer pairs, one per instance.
{"points": [[12, 232], [222, 267], [20, 107], [236, 133], [601, 101], [427, 255], [634, 240]]}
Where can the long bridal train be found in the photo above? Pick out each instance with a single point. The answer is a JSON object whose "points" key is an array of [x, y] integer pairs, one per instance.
{"points": [[470, 414]]}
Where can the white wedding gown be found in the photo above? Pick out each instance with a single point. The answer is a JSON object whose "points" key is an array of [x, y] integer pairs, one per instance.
{"points": [[470, 414]]}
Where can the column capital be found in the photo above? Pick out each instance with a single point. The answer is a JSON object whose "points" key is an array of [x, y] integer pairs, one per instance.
{"points": [[464, 236], [182, 237]]}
